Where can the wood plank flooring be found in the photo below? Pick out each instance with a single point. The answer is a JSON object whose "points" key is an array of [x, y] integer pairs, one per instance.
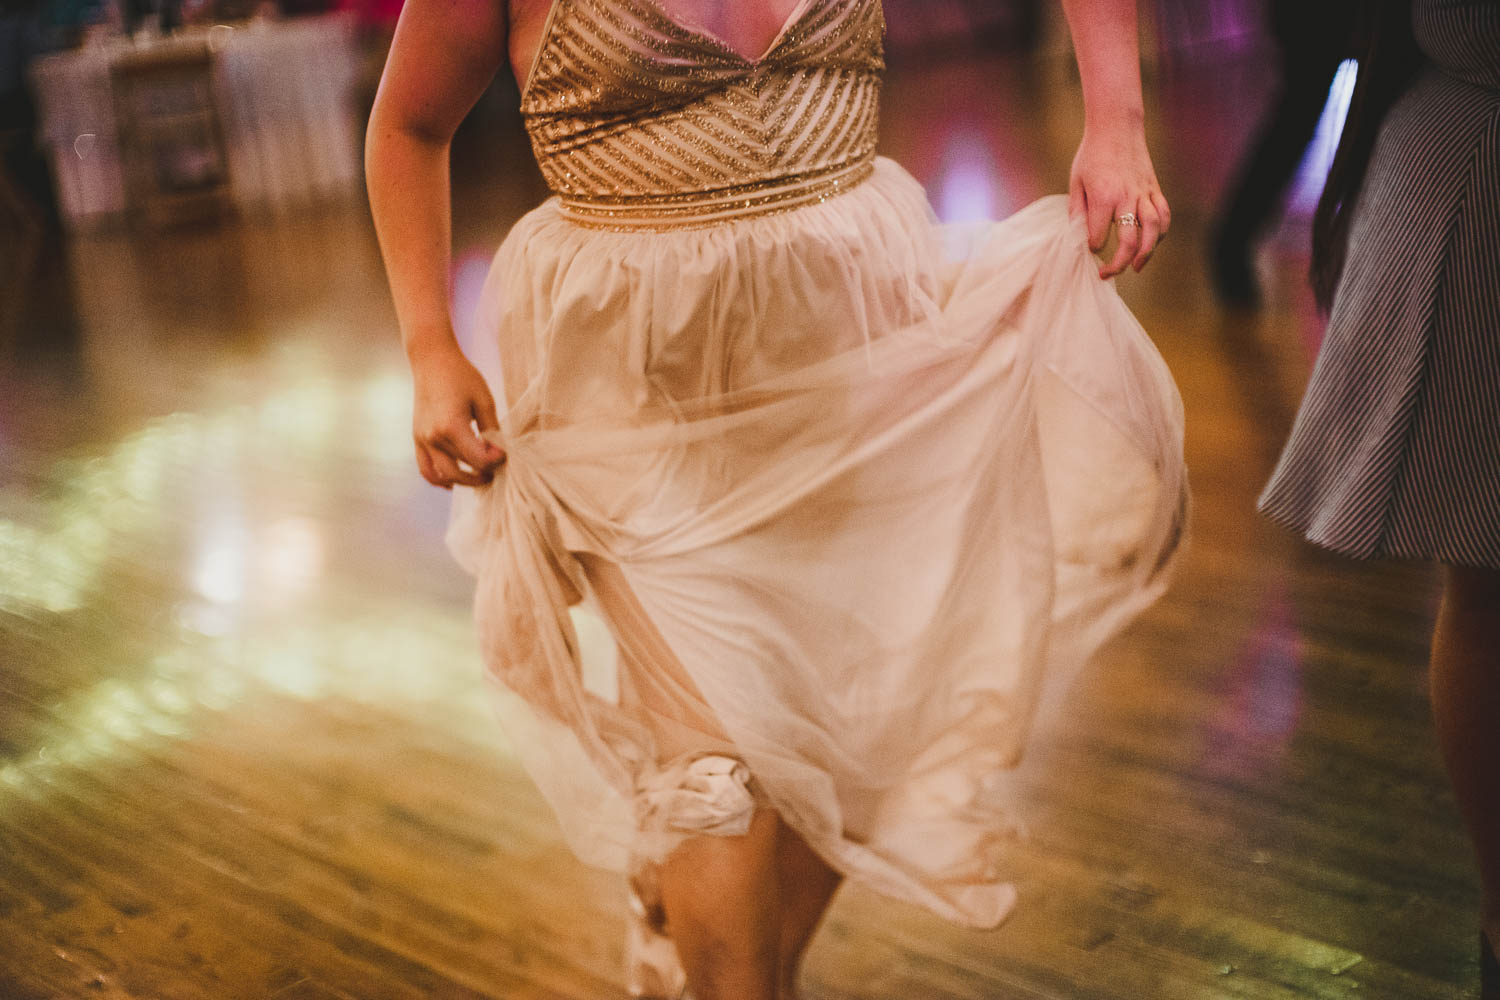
{"points": [[245, 751]]}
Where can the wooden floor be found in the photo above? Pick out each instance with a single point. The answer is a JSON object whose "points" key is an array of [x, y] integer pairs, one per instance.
{"points": [[245, 751]]}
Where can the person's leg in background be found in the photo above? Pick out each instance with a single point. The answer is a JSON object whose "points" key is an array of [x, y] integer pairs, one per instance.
{"points": [[1465, 679], [1313, 41]]}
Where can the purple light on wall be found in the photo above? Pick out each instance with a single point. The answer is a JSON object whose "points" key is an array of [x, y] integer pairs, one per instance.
{"points": [[473, 316], [467, 285], [968, 183]]}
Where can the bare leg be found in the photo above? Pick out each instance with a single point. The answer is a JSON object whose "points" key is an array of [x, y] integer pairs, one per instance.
{"points": [[1466, 706], [807, 887], [723, 903]]}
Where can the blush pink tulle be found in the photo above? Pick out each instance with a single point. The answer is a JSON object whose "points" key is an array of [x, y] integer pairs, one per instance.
{"points": [[852, 493]]}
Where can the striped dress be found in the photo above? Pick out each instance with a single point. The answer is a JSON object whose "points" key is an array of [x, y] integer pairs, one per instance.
{"points": [[1396, 449]]}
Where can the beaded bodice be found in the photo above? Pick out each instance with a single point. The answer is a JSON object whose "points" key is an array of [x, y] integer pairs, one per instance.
{"points": [[639, 120]]}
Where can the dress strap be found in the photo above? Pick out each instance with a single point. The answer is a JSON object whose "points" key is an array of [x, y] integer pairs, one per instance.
{"points": [[543, 41]]}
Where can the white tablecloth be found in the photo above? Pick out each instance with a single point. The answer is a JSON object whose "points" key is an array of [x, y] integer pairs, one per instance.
{"points": [[284, 92]]}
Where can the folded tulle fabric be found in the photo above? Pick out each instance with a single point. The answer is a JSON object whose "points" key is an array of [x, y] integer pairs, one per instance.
{"points": [[708, 794]]}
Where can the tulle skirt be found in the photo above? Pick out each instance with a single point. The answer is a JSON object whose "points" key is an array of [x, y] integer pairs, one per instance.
{"points": [[840, 493]]}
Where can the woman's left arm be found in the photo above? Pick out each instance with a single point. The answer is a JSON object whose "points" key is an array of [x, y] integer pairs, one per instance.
{"points": [[1112, 175]]}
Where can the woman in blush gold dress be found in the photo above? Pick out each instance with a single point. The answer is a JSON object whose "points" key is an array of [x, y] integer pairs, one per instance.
{"points": [[852, 491]]}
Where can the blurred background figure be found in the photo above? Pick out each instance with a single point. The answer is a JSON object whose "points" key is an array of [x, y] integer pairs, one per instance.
{"points": [[374, 24], [30, 224], [27, 29], [25, 191], [1312, 39], [1395, 453]]}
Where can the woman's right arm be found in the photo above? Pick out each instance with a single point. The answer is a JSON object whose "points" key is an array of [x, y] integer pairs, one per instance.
{"points": [[443, 56]]}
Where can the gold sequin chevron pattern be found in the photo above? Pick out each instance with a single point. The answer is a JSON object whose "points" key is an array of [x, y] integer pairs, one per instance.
{"points": [[638, 120]]}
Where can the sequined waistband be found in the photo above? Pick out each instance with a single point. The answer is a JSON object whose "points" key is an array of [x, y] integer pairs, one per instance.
{"points": [[699, 209]]}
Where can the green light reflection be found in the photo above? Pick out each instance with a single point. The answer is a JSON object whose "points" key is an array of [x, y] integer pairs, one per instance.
{"points": [[120, 493]]}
